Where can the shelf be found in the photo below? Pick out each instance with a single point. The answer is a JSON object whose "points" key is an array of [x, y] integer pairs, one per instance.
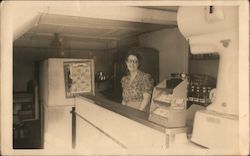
{"points": [[169, 91], [162, 102], [24, 106], [204, 57], [168, 105], [98, 81], [178, 108], [189, 103], [163, 116], [23, 100], [23, 97]]}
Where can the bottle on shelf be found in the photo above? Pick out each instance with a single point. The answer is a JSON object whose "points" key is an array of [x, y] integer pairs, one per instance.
{"points": [[194, 93], [207, 102], [203, 96], [208, 93], [191, 93]]}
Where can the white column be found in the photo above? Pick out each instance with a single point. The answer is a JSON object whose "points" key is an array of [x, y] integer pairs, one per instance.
{"points": [[244, 78], [6, 57]]}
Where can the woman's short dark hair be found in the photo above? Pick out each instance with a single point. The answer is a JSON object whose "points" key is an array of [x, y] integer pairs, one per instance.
{"points": [[135, 53]]}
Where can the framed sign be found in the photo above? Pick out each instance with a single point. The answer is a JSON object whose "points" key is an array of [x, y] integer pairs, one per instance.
{"points": [[78, 77]]}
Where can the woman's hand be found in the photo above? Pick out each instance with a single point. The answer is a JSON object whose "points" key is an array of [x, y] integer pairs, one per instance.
{"points": [[145, 101]]}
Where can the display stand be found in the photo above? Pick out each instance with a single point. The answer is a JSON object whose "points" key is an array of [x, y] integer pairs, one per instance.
{"points": [[168, 104], [168, 108]]}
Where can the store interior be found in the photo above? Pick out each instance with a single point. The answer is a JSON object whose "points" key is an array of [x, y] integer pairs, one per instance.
{"points": [[105, 38]]}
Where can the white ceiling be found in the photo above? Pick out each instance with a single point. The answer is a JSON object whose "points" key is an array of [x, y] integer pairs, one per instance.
{"points": [[85, 32]]}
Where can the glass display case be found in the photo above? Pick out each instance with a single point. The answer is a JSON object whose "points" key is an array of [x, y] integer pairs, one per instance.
{"points": [[168, 104]]}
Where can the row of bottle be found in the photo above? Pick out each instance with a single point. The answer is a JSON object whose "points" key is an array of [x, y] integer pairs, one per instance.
{"points": [[204, 56], [199, 94], [199, 86]]}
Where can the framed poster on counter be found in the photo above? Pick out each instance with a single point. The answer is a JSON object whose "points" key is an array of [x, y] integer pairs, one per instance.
{"points": [[78, 76]]}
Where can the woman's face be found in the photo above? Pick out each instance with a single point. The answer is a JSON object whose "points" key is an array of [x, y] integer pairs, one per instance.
{"points": [[132, 63]]}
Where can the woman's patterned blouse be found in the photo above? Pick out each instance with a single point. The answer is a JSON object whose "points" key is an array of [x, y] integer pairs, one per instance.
{"points": [[133, 92]]}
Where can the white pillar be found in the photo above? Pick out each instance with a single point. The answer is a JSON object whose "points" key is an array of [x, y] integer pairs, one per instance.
{"points": [[6, 57], [244, 78]]}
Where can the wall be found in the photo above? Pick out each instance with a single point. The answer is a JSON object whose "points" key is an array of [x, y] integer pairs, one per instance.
{"points": [[172, 47], [173, 50], [25, 62]]}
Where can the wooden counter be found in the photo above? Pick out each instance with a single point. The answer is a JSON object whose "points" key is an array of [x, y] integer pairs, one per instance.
{"points": [[131, 113], [104, 124]]}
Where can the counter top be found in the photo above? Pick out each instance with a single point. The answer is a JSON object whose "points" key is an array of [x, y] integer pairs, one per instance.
{"points": [[136, 115]]}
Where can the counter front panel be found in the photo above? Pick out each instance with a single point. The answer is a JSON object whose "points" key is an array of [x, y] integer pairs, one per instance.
{"points": [[113, 130]]}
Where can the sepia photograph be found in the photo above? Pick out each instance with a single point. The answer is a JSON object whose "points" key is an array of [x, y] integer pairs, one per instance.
{"points": [[124, 77]]}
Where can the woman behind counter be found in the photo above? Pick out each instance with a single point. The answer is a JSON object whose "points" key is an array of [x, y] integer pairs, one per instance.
{"points": [[137, 86]]}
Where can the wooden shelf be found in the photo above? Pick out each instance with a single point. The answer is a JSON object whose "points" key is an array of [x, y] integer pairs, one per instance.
{"points": [[24, 105], [200, 57], [23, 100], [196, 103], [23, 97]]}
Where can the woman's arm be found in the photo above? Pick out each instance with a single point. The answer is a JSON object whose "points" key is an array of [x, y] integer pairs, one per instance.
{"points": [[147, 90], [145, 101]]}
